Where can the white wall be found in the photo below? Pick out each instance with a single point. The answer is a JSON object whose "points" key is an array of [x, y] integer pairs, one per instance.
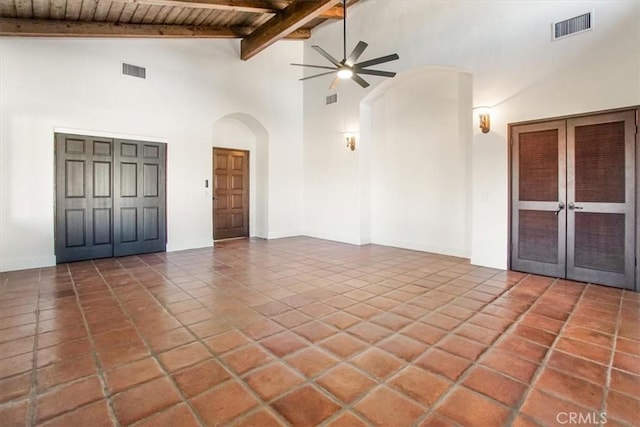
{"points": [[516, 70], [76, 84], [420, 144]]}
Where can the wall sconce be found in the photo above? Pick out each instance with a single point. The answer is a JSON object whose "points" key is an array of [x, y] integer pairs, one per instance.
{"points": [[351, 141], [485, 119]]}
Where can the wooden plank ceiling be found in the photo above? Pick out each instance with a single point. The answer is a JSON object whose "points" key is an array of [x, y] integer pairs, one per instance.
{"points": [[259, 23]]}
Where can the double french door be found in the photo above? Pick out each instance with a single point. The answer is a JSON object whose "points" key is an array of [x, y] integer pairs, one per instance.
{"points": [[110, 197], [573, 198]]}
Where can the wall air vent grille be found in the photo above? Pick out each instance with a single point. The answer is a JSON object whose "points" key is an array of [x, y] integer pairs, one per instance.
{"points": [[572, 26], [332, 99], [134, 70]]}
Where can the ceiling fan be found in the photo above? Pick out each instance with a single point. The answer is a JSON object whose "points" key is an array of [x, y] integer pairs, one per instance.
{"points": [[348, 68]]}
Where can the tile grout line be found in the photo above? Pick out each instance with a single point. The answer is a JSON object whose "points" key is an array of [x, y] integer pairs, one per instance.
{"points": [[33, 392], [383, 382], [543, 362], [310, 381], [152, 283], [432, 409], [369, 345], [261, 403], [152, 353], [94, 355], [607, 385]]}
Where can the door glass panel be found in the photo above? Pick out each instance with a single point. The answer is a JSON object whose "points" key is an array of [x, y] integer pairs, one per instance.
{"points": [[599, 163], [538, 236], [538, 166], [599, 241]]}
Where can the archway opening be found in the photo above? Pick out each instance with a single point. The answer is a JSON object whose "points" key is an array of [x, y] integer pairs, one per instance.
{"points": [[415, 146], [242, 131]]}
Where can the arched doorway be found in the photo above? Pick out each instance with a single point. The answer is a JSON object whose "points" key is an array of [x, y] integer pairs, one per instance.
{"points": [[415, 147], [240, 131]]}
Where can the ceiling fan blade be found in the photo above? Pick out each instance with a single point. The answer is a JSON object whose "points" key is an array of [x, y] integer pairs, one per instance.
{"points": [[315, 66], [334, 83], [376, 73], [355, 54], [330, 58], [317, 75], [377, 61], [362, 82]]}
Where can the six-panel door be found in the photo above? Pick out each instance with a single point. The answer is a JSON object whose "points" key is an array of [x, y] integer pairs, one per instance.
{"points": [[139, 203], [230, 193], [84, 202]]}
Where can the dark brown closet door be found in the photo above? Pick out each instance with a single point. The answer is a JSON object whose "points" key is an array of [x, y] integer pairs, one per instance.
{"points": [[538, 228], [139, 202], [83, 198], [601, 199]]}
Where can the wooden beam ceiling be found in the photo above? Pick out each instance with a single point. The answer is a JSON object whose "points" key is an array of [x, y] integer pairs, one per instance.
{"points": [[43, 28], [259, 23], [250, 6], [288, 20]]}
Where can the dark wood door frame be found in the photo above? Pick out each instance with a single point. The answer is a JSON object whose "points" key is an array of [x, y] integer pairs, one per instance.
{"points": [[636, 190]]}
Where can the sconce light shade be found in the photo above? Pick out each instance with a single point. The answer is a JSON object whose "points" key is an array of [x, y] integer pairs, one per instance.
{"points": [[485, 119], [485, 123], [351, 142]]}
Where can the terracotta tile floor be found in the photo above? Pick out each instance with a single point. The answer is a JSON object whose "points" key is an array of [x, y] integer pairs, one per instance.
{"points": [[307, 332]]}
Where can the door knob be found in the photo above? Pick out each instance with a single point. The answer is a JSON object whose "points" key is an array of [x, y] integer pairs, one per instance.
{"points": [[572, 206], [560, 207]]}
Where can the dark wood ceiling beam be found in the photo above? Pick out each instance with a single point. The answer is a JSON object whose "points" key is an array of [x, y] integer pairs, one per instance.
{"points": [[251, 6], [285, 22], [45, 28]]}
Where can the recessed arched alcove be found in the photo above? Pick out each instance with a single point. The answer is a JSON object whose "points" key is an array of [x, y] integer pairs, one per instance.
{"points": [[415, 142], [244, 132]]}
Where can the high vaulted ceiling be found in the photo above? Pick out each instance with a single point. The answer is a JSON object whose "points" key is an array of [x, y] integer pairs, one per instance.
{"points": [[259, 23]]}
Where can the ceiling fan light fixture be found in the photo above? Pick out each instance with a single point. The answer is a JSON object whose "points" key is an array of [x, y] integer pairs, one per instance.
{"points": [[345, 73], [349, 67]]}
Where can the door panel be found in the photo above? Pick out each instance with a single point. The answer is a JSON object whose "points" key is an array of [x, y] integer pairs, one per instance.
{"points": [[139, 202], [601, 199], [587, 165], [231, 193], [538, 191], [83, 198]]}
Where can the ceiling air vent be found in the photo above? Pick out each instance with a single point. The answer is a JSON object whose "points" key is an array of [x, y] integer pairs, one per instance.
{"points": [[572, 26], [332, 99], [134, 70]]}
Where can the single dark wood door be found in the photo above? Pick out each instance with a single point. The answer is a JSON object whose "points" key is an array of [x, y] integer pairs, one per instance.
{"points": [[230, 193], [139, 203], [84, 202], [601, 199], [573, 198], [538, 215]]}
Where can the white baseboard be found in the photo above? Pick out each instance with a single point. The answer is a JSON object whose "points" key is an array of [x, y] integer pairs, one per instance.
{"points": [[423, 247], [282, 234], [26, 263], [187, 246]]}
